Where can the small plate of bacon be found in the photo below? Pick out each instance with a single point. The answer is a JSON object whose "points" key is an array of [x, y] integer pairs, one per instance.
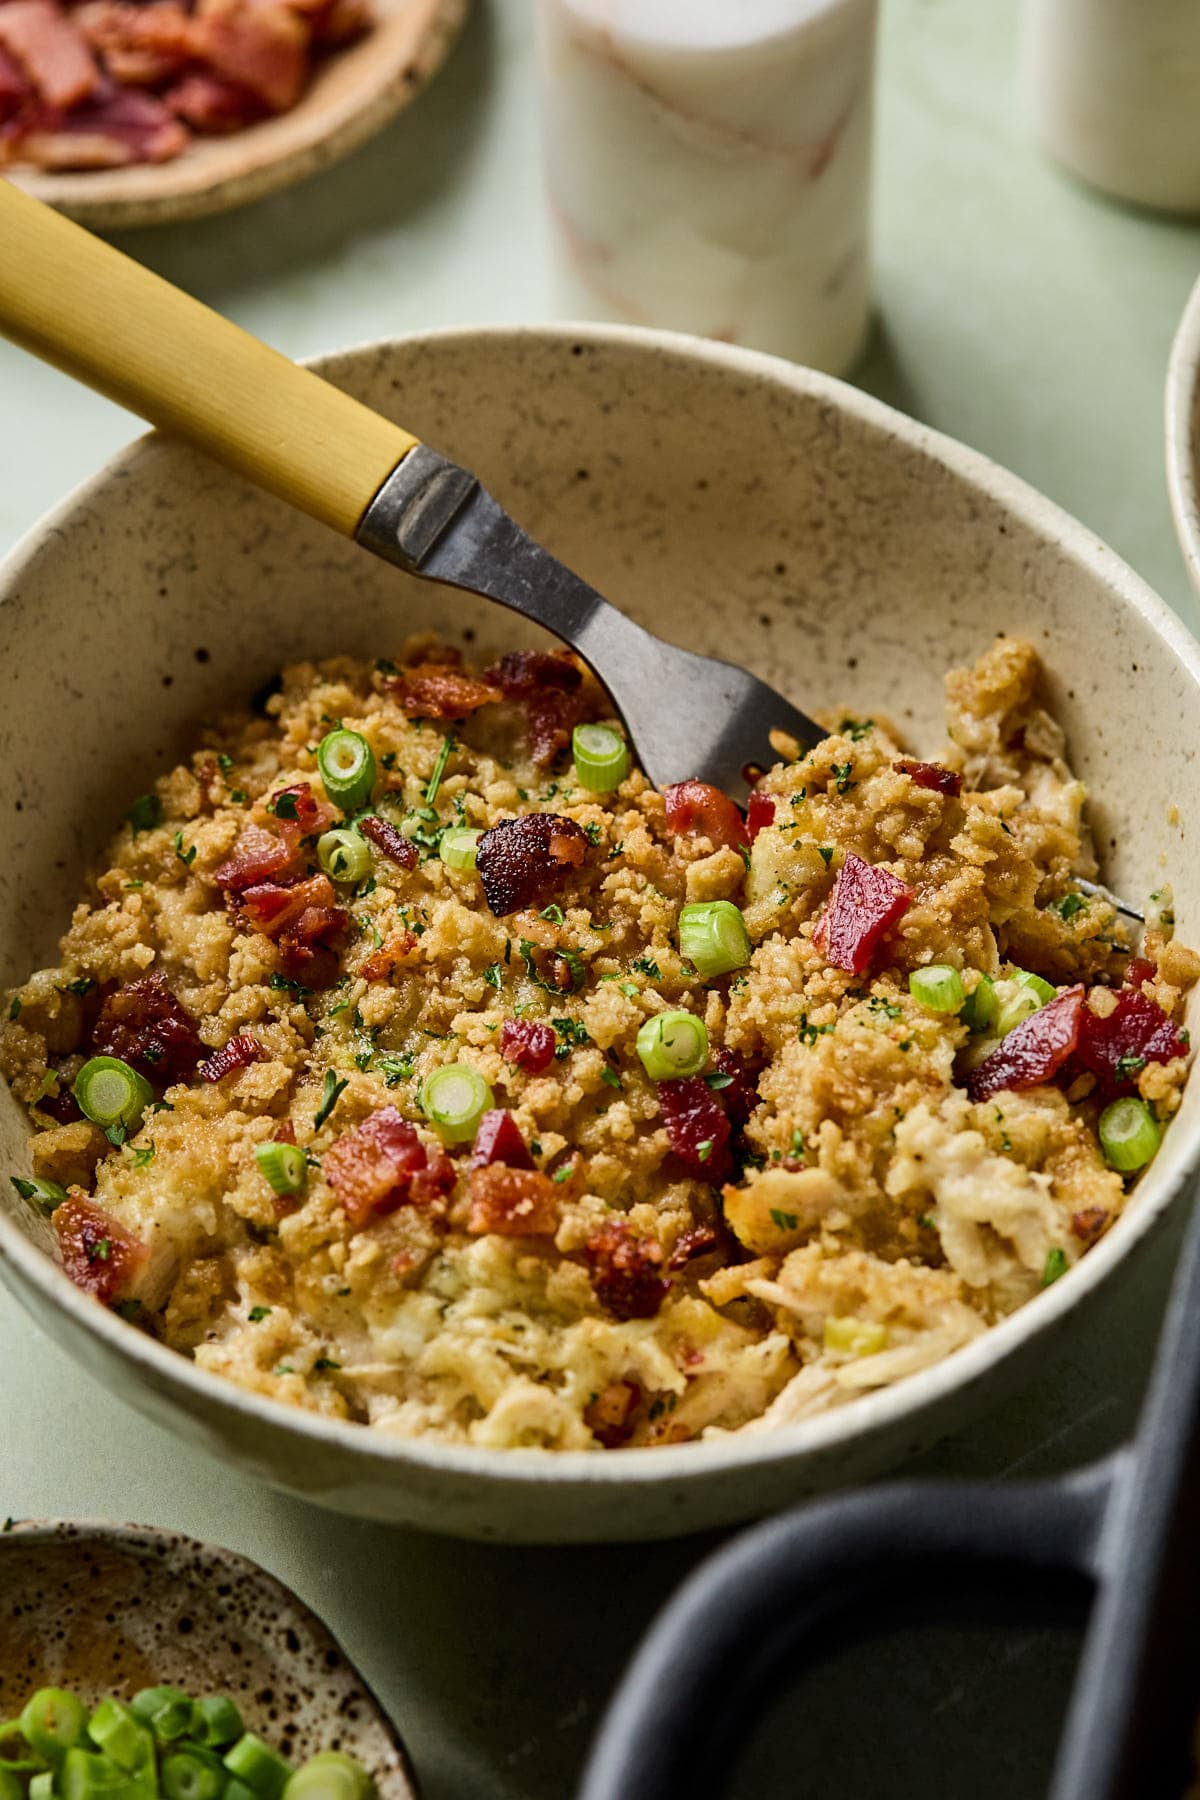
{"points": [[135, 112]]}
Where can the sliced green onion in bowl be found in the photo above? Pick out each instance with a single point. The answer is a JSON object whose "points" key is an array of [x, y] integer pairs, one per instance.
{"points": [[45, 1195], [41, 1785], [85, 1776], [1015, 1008], [980, 1007], [1129, 1135], [114, 1730], [110, 1093], [346, 763], [454, 1099], [168, 1711], [458, 846], [344, 854], [330, 1775], [601, 758], [217, 1720], [193, 1773], [262, 1769], [1043, 989], [672, 1044], [284, 1168], [713, 937], [53, 1722], [10, 1787], [938, 987]]}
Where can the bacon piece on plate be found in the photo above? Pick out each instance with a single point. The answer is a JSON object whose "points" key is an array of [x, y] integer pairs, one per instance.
{"points": [[865, 901], [394, 845], [14, 89], [547, 685], [146, 1026], [931, 775], [528, 1044], [98, 1253], [306, 947], [390, 954], [1136, 1032], [697, 809], [41, 39], [261, 46], [697, 1127], [271, 908], [1033, 1051], [209, 103], [759, 814], [258, 856], [499, 1140], [238, 1053], [610, 1414], [120, 126], [141, 45], [626, 1270], [377, 1167], [522, 861], [511, 1202], [438, 691]]}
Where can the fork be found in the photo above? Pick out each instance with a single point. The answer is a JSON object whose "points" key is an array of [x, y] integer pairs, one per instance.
{"points": [[111, 323]]}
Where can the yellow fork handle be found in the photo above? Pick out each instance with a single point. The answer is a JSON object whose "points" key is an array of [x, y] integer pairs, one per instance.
{"points": [[106, 320]]}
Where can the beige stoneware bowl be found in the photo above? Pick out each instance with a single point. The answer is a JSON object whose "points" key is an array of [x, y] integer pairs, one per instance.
{"points": [[736, 503], [1183, 434]]}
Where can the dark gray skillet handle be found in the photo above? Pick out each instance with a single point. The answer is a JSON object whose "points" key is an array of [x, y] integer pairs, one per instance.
{"points": [[691, 1696]]}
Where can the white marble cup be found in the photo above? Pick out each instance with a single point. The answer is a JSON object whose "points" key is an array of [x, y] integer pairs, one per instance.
{"points": [[1114, 92], [708, 167]]}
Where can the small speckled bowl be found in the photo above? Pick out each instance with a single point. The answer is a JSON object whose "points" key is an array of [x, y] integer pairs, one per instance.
{"points": [[109, 1609], [1183, 434], [739, 504]]}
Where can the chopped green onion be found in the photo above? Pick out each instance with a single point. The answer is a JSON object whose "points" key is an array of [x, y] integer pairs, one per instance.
{"points": [[331, 1092], [672, 1044], [45, 1195], [85, 1776], [193, 1774], [1129, 1134], [457, 847], [330, 1775], [601, 758], [439, 769], [713, 937], [344, 855], [41, 1785], [217, 1721], [262, 1769], [980, 1008], [114, 1729], [15, 1752], [454, 1099], [1043, 989], [52, 1722], [1056, 1265], [346, 764], [168, 1711], [938, 987], [282, 1165], [110, 1093], [1017, 1007]]}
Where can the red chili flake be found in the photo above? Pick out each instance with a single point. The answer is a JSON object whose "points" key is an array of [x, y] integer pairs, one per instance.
{"points": [[381, 962], [610, 1415], [1090, 1225], [527, 1044], [146, 1026], [270, 908], [258, 856], [932, 775], [865, 901], [522, 861], [305, 948], [98, 1253], [1034, 1051], [373, 1168], [435, 691], [512, 1202], [547, 684], [1140, 969], [1136, 1032], [740, 1096], [238, 1053], [300, 806], [384, 835], [626, 1270], [499, 1140], [699, 810], [759, 814], [697, 1240], [697, 1127]]}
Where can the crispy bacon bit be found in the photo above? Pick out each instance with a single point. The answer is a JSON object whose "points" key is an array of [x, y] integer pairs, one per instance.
{"points": [[527, 1044], [547, 684], [1140, 969], [626, 1270], [865, 901], [430, 1185], [238, 1053], [931, 775], [209, 103], [740, 1097], [259, 45], [270, 908], [1090, 1225], [697, 1240], [434, 691], [143, 42], [374, 1167], [696, 809], [381, 962], [610, 1414], [697, 1127], [98, 1253], [521, 862], [299, 806], [1136, 1032], [759, 814], [114, 128], [499, 1140], [13, 87], [258, 856], [394, 845], [512, 1202], [145, 1025], [306, 954], [1034, 1051], [43, 42]]}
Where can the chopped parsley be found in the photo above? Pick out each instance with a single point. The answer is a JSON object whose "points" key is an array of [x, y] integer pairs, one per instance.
{"points": [[326, 1362], [646, 966], [704, 1149], [1068, 906], [395, 1069], [841, 773], [100, 1251], [1055, 1265], [186, 856], [1129, 1066], [145, 1156], [83, 984], [856, 729], [285, 984], [330, 1095], [797, 1142], [145, 813], [825, 852], [784, 1221], [14, 1008], [563, 1174], [593, 832], [554, 914], [493, 975], [258, 1314], [283, 805], [611, 1077], [716, 1079], [808, 1034]]}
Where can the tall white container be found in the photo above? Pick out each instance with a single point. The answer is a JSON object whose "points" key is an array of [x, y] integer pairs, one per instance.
{"points": [[708, 166], [1114, 90]]}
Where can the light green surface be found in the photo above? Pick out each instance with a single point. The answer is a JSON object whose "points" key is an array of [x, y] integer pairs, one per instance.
{"points": [[1018, 312]]}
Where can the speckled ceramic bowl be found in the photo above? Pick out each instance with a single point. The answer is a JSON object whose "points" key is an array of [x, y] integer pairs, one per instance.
{"points": [[740, 504], [109, 1609], [1183, 434]]}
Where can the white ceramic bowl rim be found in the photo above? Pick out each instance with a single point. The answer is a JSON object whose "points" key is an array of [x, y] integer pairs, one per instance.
{"points": [[695, 1461], [1183, 376]]}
